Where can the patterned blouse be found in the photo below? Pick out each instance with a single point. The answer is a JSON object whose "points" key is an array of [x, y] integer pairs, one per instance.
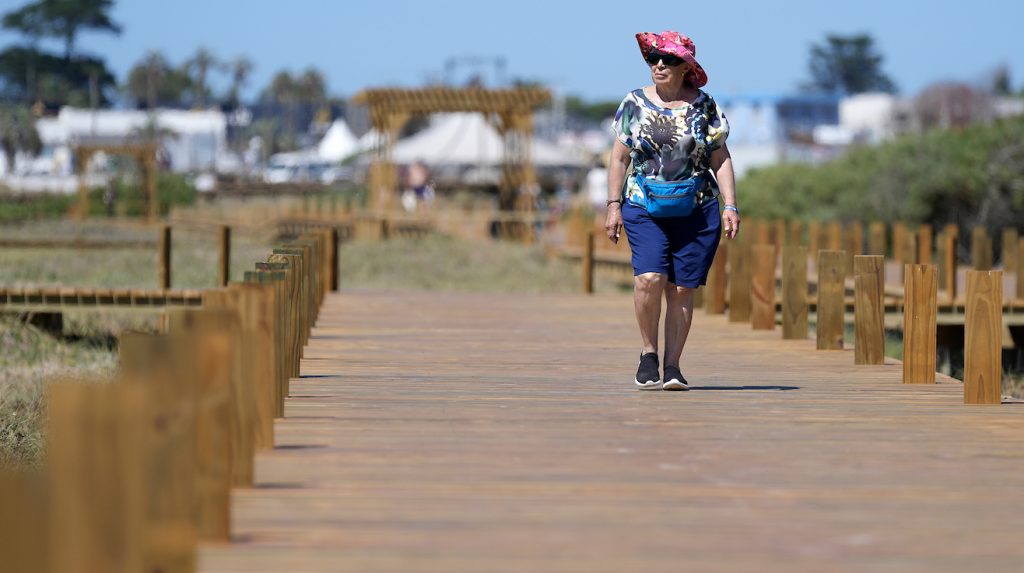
{"points": [[668, 144]]}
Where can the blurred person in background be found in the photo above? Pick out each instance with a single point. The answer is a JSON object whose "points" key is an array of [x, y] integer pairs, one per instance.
{"points": [[670, 136]]}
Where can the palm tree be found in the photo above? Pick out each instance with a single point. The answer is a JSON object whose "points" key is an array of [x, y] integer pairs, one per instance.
{"points": [[198, 68], [17, 131], [241, 67]]}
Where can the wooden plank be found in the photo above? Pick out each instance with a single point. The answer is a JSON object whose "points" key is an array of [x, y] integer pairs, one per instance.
{"points": [[924, 244], [869, 310], [919, 324], [98, 491], [164, 253], [794, 293], [739, 280], [814, 243], [714, 300], [831, 276], [335, 270], [947, 264], [368, 478], [209, 332], [588, 262], [762, 289], [909, 256], [163, 367], [983, 336]]}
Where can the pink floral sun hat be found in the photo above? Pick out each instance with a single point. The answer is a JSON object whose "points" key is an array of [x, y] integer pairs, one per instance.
{"points": [[669, 42]]}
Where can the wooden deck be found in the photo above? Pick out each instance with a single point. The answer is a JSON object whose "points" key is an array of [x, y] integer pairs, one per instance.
{"points": [[444, 432]]}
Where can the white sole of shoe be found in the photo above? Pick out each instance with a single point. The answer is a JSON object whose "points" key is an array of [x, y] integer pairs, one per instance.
{"points": [[648, 385], [674, 385]]}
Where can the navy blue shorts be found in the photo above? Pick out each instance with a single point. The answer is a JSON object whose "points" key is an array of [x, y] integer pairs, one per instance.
{"points": [[680, 247]]}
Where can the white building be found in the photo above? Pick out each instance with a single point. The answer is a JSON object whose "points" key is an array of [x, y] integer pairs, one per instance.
{"points": [[192, 140]]}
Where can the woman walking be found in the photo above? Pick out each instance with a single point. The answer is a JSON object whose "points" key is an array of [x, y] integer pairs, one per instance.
{"points": [[669, 166]]}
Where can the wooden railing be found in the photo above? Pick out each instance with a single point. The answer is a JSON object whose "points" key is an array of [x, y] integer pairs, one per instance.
{"points": [[139, 469]]}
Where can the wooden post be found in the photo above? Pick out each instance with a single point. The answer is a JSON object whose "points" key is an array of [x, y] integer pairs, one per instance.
{"points": [[95, 451], [835, 235], [163, 366], [243, 403], [210, 334], [779, 234], [698, 297], [899, 233], [813, 236], [225, 256], [1010, 241], [983, 336], [24, 523], [831, 299], [947, 264], [739, 280], [1020, 268], [762, 290], [981, 249], [854, 244], [333, 250], [919, 329], [164, 246], [257, 311], [794, 292], [909, 254], [869, 309], [796, 233], [714, 301], [876, 239], [924, 244], [588, 262]]}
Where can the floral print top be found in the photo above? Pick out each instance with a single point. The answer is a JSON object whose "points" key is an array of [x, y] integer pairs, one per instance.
{"points": [[668, 144]]}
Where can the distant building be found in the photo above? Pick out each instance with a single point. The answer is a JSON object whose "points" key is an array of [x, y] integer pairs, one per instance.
{"points": [[191, 140], [766, 129]]}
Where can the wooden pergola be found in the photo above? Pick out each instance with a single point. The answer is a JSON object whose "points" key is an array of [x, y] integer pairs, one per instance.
{"points": [[144, 151], [510, 111]]}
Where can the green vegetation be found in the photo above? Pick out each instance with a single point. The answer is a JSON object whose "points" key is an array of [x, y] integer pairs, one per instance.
{"points": [[973, 176], [437, 262], [172, 190]]}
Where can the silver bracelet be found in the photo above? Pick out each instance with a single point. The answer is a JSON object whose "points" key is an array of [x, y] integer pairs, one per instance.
{"points": [[731, 207]]}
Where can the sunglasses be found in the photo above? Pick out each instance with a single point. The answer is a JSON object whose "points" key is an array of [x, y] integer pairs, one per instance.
{"points": [[668, 59]]}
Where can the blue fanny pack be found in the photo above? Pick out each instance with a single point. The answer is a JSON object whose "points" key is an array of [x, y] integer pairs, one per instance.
{"points": [[671, 198]]}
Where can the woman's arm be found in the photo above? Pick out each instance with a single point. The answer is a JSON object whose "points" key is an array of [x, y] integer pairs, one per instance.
{"points": [[721, 164], [616, 178]]}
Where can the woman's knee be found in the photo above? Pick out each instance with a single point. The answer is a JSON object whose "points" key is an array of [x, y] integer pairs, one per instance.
{"points": [[650, 282], [677, 292]]}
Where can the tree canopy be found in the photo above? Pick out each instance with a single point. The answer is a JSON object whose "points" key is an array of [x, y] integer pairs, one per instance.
{"points": [[848, 64], [62, 20]]}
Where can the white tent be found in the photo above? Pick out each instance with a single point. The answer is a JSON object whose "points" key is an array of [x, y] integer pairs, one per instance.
{"points": [[468, 139], [338, 143]]}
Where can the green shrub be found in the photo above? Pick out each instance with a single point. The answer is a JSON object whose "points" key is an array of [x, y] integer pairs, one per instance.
{"points": [[972, 176]]}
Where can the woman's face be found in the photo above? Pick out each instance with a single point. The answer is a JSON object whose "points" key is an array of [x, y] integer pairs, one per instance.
{"points": [[666, 70]]}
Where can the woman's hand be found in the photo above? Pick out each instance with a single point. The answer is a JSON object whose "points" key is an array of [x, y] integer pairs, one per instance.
{"points": [[730, 223], [613, 222]]}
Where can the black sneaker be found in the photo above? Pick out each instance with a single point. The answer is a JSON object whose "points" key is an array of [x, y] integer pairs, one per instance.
{"points": [[647, 373], [674, 379]]}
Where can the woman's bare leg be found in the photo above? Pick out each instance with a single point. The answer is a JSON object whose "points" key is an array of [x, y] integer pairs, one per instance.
{"points": [[647, 289], [678, 317]]}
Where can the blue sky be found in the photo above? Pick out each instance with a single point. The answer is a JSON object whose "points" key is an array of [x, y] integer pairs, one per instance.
{"points": [[583, 48]]}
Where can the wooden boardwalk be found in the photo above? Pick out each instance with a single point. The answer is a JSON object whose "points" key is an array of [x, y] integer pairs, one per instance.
{"points": [[451, 432]]}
